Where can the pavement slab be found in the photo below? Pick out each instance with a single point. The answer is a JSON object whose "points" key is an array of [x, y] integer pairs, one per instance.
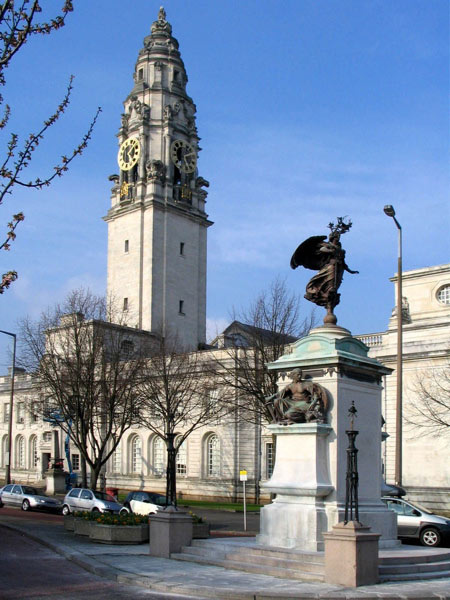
{"points": [[133, 565]]}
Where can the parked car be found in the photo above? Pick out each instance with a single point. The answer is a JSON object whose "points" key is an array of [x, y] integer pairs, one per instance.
{"points": [[389, 489], [143, 503], [28, 498], [418, 523], [92, 500]]}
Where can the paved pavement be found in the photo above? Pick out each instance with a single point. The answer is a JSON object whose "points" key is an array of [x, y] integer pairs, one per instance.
{"points": [[133, 565]]}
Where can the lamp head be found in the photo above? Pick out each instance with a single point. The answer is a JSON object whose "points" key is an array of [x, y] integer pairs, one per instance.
{"points": [[389, 210]]}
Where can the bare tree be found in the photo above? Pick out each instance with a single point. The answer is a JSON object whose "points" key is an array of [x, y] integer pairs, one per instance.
{"points": [[259, 335], [177, 397], [86, 368], [18, 24], [429, 411]]}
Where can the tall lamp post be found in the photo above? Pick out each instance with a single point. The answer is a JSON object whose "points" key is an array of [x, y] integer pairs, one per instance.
{"points": [[11, 406], [390, 212]]}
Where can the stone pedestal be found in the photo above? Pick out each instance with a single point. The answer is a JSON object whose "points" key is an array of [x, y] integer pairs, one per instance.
{"points": [[55, 480], [351, 555], [332, 358], [300, 480], [170, 530]]}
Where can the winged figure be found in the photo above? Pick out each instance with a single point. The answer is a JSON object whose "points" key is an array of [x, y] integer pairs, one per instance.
{"points": [[328, 258]]}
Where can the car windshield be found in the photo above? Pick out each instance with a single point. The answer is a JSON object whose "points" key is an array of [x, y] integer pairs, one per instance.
{"points": [[31, 491], [103, 496]]}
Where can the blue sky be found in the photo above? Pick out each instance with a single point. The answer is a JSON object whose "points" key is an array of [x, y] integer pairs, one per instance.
{"points": [[307, 110]]}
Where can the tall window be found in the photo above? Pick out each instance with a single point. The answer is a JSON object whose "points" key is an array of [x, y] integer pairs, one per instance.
{"points": [[20, 412], [125, 304], [75, 462], [269, 460], [34, 413], [116, 460], [20, 452], [158, 456], [6, 413], [136, 454], [181, 458], [33, 452], [213, 456], [127, 246], [4, 450]]}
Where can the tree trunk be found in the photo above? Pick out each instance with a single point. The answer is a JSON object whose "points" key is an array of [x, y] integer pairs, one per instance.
{"points": [[83, 472]]}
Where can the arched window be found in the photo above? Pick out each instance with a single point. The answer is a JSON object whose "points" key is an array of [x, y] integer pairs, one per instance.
{"points": [[4, 450], [158, 456], [136, 454], [33, 452], [213, 456], [181, 459], [20, 452]]}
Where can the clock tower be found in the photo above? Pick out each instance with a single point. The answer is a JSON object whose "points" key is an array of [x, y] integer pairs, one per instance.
{"points": [[157, 221]]}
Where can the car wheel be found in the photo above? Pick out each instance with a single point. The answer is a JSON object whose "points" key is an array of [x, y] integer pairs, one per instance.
{"points": [[65, 510], [124, 511], [430, 537], [95, 510], [26, 505]]}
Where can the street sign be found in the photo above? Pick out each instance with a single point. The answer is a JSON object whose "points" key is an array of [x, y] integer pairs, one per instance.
{"points": [[242, 475]]}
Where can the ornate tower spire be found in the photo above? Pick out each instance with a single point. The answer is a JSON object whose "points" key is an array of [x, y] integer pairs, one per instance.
{"points": [[158, 199]]}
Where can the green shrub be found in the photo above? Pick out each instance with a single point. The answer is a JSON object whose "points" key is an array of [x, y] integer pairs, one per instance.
{"points": [[129, 519]]}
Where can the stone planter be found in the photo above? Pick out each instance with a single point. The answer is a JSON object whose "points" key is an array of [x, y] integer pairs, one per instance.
{"points": [[200, 531], [82, 527], [69, 522], [118, 534]]}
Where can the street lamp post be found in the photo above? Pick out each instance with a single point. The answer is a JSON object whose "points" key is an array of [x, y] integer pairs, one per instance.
{"points": [[11, 406], [390, 212]]}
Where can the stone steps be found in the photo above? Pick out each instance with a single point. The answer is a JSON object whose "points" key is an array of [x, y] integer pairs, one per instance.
{"points": [[411, 568], [278, 563], [411, 565]]}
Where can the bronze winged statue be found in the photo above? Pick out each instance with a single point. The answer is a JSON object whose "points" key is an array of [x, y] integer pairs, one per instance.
{"points": [[328, 258]]}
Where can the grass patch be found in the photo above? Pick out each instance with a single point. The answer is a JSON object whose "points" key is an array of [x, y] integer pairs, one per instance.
{"points": [[232, 506]]}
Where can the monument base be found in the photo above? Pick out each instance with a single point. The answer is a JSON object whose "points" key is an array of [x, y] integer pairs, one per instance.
{"points": [[297, 517], [55, 480], [351, 555], [170, 530]]}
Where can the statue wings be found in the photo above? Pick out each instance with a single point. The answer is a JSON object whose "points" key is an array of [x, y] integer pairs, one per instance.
{"points": [[307, 254]]}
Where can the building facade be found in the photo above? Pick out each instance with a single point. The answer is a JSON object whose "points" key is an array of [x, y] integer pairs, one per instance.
{"points": [[157, 228]]}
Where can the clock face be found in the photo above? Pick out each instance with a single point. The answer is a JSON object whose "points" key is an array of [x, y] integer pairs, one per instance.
{"points": [[183, 156], [129, 153]]}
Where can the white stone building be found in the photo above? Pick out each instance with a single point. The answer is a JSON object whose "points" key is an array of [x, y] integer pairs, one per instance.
{"points": [[157, 228]]}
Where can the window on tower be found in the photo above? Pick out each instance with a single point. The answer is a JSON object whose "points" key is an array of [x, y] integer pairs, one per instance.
{"points": [[125, 304], [127, 246], [181, 307], [182, 248], [140, 74]]}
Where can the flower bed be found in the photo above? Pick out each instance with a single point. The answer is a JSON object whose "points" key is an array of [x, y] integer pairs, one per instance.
{"points": [[107, 528]]}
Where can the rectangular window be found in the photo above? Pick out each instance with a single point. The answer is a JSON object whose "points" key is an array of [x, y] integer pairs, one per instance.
{"points": [[47, 436], [269, 460], [140, 74], [127, 246], [181, 307], [20, 412], [182, 248], [75, 462], [125, 304], [34, 412], [6, 413]]}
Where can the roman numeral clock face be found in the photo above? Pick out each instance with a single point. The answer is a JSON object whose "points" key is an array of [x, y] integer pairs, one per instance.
{"points": [[129, 153], [183, 156]]}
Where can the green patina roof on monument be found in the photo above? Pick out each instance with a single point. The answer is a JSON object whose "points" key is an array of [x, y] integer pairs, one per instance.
{"points": [[320, 348]]}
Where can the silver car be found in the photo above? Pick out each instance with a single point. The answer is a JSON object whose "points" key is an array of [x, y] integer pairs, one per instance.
{"points": [[27, 498], [80, 499], [416, 522]]}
